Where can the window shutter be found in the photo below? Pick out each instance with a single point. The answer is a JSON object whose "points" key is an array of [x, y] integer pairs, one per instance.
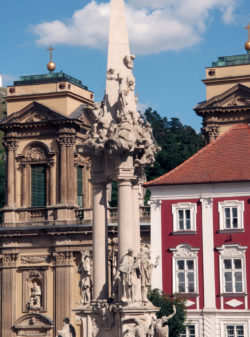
{"points": [[38, 185]]}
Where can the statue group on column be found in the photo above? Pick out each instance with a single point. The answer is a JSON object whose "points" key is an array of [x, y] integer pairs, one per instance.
{"points": [[130, 270]]}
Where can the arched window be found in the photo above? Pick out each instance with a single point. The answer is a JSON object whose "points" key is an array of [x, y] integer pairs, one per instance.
{"points": [[38, 185]]}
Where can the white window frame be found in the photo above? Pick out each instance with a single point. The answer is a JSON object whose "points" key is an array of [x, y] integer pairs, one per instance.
{"points": [[222, 218], [234, 324], [186, 334], [185, 252], [192, 207], [232, 252]]}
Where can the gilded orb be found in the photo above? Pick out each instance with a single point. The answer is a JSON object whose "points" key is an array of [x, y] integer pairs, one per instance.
{"points": [[247, 45], [51, 66]]}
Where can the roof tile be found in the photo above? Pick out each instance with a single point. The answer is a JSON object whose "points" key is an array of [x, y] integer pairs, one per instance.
{"points": [[226, 159]]}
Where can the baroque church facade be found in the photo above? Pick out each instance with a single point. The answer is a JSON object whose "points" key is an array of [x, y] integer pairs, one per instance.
{"points": [[47, 188], [200, 211], [46, 230]]}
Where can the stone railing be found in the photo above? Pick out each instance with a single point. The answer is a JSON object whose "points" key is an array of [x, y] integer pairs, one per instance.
{"points": [[86, 214], [82, 215]]}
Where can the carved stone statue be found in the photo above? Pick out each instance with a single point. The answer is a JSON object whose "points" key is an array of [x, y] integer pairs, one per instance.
{"points": [[68, 330], [129, 61], [128, 272], [158, 327], [35, 296], [85, 277], [146, 267]]}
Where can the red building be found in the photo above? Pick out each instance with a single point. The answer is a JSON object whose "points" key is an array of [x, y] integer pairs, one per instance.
{"points": [[200, 226]]}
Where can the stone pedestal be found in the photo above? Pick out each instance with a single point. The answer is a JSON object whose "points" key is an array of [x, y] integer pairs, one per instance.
{"points": [[101, 319]]}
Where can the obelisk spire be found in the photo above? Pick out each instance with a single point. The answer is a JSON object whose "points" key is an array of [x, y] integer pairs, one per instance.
{"points": [[120, 61]]}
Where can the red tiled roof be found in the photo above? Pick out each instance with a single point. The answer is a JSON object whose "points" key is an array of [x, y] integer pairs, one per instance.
{"points": [[226, 159]]}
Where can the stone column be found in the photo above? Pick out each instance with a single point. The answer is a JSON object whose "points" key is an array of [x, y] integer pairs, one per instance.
{"points": [[9, 294], [11, 145], [99, 237], [125, 217], [136, 217], [52, 184], [24, 195], [63, 171], [70, 171]]}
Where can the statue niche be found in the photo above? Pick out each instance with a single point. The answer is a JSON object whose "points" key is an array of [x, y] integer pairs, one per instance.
{"points": [[34, 290]]}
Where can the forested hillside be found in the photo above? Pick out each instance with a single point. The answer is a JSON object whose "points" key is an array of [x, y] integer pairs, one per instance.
{"points": [[178, 142]]}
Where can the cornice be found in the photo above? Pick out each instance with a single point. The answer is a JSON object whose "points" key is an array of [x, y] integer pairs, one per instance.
{"points": [[227, 79], [49, 95], [32, 125], [223, 110]]}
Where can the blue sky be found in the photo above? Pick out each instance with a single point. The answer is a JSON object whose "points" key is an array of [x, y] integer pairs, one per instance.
{"points": [[174, 40]]}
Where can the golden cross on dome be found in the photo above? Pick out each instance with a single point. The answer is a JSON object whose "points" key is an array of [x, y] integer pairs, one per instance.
{"points": [[248, 28], [50, 52]]}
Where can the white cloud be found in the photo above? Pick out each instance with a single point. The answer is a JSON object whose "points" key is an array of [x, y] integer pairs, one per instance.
{"points": [[8, 79], [154, 26]]}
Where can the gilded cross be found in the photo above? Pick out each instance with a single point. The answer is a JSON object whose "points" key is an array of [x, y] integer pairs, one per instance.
{"points": [[50, 52], [248, 28]]}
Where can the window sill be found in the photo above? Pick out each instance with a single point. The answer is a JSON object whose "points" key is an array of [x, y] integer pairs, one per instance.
{"points": [[231, 230], [189, 295], [233, 295], [187, 232]]}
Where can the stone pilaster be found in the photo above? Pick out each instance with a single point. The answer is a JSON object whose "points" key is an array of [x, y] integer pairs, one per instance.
{"points": [[208, 253], [24, 192], [9, 294], [11, 145], [71, 172], [52, 184], [63, 170], [63, 287]]}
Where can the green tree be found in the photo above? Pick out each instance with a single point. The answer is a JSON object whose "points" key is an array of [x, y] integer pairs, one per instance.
{"points": [[178, 142], [165, 303]]}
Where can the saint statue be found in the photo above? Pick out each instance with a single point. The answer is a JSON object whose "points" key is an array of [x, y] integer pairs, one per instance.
{"points": [[146, 267], [35, 296], [85, 277], [68, 330], [127, 270]]}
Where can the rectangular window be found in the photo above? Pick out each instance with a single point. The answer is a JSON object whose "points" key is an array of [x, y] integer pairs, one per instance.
{"points": [[79, 187], [184, 217], [231, 217], [190, 331], [231, 214], [185, 276], [184, 222], [235, 331], [233, 275], [38, 185]]}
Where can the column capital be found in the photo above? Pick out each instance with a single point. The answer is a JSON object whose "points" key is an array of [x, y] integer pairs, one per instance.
{"points": [[9, 260], [11, 144], [66, 139], [207, 202]]}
